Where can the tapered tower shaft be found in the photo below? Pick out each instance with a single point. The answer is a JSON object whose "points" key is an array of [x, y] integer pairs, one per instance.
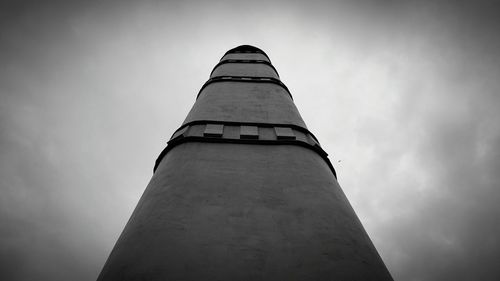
{"points": [[243, 191]]}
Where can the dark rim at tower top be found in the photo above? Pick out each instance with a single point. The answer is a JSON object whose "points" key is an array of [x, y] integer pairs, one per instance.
{"points": [[246, 49]]}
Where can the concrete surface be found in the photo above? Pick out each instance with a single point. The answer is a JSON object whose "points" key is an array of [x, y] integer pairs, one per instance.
{"points": [[244, 69], [243, 212], [245, 102]]}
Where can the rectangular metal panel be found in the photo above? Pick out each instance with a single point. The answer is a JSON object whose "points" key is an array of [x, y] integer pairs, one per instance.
{"points": [[214, 130], [179, 133], [249, 132], [283, 133]]}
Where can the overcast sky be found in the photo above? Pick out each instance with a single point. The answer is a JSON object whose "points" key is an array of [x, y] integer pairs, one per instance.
{"points": [[403, 95]]}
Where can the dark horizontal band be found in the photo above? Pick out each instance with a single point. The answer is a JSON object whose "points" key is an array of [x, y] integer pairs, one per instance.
{"points": [[257, 124], [244, 61], [243, 133], [246, 79]]}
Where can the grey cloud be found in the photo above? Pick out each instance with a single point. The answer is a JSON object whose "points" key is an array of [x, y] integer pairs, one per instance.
{"points": [[405, 93]]}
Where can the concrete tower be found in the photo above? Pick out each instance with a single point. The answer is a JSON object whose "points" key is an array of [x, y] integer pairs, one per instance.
{"points": [[243, 191]]}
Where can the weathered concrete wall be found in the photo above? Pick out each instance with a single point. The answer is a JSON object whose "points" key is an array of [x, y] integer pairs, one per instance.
{"points": [[245, 102], [245, 56], [244, 69], [243, 212]]}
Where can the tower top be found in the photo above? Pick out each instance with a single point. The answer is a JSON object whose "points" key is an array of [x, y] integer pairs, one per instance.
{"points": [[246, 49]]}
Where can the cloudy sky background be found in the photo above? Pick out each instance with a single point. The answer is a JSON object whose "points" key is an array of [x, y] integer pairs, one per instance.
{"points": [[405, 94]]}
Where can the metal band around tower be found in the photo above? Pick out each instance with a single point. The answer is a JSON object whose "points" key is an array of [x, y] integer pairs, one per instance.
{"points": [[244, 133]]}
